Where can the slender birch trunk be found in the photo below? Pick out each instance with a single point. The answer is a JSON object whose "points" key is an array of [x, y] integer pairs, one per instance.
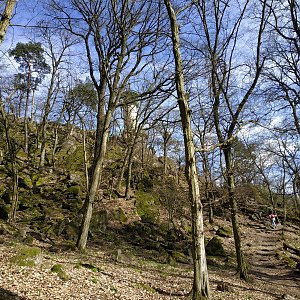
{"points": [[201, 283]]}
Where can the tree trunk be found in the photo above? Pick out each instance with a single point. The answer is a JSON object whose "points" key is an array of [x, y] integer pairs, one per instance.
{"points": [[129, 173], [93, 185], [241, 264], [43, 145], [26, 110], [15, 194], [200, 283], [121, 176], [12, 152], [54, 145], [165, 158], [5, 18], [85, 160], [26, 126], [283, 194]]}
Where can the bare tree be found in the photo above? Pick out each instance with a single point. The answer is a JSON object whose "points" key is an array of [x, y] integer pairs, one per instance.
{"points": [[283, 70], [200, 283], [220, 26], [57, 45], [121, 42]]}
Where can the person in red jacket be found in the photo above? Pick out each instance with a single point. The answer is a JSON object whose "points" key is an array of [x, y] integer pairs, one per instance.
{"points": [[273, 217]]}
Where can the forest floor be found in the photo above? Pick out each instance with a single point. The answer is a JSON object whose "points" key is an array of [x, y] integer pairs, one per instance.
{"points": [[104, 272]]}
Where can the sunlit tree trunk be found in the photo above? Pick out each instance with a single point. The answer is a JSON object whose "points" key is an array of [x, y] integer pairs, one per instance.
{"points": [[96, 175], [201, 282], [5, 18]]}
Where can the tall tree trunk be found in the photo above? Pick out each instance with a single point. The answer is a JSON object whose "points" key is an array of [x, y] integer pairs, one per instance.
{"points": [[32, 112], [12, 154], [283, 193], [165, 166], [129, 173], [43, 145], [121, 175], [207, 186], [54, 145], [296, 194], [201, 282], [28, 88], [15, 193], [85, 160], [26, 124], [241, 264], [93, 185], [5, 18]]}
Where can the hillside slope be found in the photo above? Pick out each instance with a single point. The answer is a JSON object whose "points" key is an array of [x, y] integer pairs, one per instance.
{"points": [[116, 270]]}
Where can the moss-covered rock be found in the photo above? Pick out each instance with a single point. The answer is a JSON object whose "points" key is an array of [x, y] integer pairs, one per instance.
{"points": [[99, 220], [215, 247], [224, 231], [119, 215], [27, 256], [25, 182], [74, 190], [59, 270], [147, 207], [180, 257]]}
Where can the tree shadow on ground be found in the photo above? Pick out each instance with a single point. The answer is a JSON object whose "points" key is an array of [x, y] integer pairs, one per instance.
{"points": [[290, 279], [8, 295]]}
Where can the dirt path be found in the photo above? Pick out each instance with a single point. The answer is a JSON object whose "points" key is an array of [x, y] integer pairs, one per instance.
{"points": [[265, 267]]}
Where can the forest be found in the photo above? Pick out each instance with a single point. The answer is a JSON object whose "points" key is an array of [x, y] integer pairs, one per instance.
{"points": [[150, 149]]}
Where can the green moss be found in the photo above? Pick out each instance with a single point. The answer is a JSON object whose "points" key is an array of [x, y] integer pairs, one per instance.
{"points": [[22, 154], [224, 231], [25, 181], [91, 267], [94, 280], [74, 159], [74, 190], [78, 265], [119, 215], [289, 261], [26, 256], [146, 287], [180, 257], [40, 181], [113, 289], [147, 206], [28, 240], [58, 269]]}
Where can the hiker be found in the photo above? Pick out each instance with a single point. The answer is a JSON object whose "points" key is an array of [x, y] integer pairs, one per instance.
{"points": [[273, 217]]}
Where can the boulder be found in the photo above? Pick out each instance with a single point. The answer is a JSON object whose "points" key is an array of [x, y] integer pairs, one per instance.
{"points": [[4, 211], [215, 247], [224, 231]]}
